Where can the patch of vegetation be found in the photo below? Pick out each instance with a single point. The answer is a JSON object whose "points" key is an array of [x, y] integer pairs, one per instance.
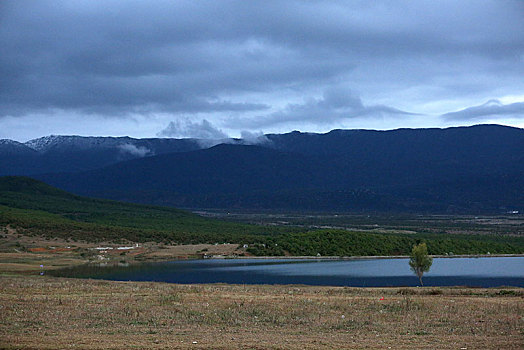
{"points": [[34, 208], [348, 243]]}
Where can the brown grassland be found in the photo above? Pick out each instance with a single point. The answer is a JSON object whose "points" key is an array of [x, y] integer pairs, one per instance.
{"points": [[44, 312], [40, 312]]}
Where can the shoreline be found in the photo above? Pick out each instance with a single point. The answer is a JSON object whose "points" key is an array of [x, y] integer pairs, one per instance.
{"points": [[366, 257], [35, 260]]}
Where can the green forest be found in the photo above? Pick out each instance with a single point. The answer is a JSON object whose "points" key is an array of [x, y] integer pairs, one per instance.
{"points": [[37, 209]]}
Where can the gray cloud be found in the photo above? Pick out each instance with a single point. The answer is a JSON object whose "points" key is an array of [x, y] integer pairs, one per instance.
{"points": [[187, 128], [492, 109], [336, 104], [236, 60], [170, 57]]}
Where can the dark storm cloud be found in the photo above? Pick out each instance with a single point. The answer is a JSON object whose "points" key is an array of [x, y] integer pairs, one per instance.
{"points": [[250, 58], [138, 57], [491, 109]]}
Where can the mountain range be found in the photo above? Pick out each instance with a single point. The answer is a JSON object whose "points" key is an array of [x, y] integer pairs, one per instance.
{"points": [[476, 169]]}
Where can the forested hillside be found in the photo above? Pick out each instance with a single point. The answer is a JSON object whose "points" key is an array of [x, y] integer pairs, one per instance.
{"points": [[35, 209]]}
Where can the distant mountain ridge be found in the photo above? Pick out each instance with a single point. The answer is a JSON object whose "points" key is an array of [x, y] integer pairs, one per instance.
{"points": [[70, 153], [77, 153], [62, 143], [460, 170]]}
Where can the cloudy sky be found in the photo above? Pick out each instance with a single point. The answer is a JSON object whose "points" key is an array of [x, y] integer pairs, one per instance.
{"points": [[212, 69]]}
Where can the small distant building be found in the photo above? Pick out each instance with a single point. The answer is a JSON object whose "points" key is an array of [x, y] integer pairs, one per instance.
{"points": [[125, 248]]}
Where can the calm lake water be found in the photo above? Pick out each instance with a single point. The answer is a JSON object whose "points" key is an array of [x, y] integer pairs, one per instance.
{"points": [[481, 272]]}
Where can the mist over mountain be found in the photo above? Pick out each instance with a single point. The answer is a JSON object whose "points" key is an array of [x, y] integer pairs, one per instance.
{"points": [[456, 170]]}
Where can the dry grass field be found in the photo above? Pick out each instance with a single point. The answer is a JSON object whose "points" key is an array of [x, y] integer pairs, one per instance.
{"points": [[41, 312], [44, 312]]}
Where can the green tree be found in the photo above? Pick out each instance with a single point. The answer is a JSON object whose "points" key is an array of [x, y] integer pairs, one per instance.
{"points": [[420, 261]]}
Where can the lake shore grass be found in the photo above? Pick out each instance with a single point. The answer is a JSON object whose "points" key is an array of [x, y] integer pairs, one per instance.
{"points": [[43, 312]]}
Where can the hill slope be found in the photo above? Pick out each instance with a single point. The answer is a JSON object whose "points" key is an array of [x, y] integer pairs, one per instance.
{"points": [[34, 208], [478, 169], [40, 209], [473, 170]]}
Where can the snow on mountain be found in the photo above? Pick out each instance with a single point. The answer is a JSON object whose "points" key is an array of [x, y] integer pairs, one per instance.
{"points": [[5, 142], [10, 147], [119, 148], [46, 143]]}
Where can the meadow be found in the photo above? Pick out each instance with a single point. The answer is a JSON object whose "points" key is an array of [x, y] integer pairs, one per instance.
{"points": [[41, 312]]}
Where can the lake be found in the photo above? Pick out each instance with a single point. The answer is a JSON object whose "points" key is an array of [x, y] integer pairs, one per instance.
{"points": [[477, 272]]}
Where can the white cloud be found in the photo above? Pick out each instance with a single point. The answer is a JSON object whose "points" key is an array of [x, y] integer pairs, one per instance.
{"points": [[253, 138], [134, 150], [187, 128]]}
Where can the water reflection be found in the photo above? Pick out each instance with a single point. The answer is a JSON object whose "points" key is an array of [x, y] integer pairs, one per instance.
{"points": [[482, 272]]}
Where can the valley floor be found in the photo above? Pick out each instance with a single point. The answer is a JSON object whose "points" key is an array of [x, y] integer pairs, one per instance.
{"points": [[41, 312]]}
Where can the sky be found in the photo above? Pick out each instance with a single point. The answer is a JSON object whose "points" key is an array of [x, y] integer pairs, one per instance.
{"points": [[215, 69]]}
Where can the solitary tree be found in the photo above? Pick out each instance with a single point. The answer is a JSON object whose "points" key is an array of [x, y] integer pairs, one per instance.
{"points": [[420, 261]]}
